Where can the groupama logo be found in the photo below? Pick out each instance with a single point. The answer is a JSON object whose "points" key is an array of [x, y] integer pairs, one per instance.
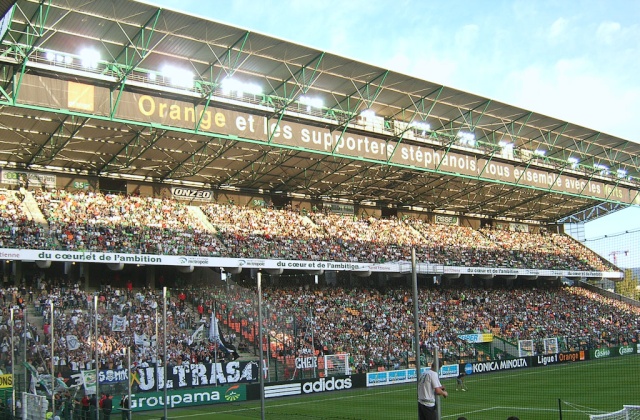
{"points": [[232, 394]]}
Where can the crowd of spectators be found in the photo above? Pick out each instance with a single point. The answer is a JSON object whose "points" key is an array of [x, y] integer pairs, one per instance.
{"points": [[133, 224], [17, 230], [130, 224], [375, 327], [74, 316], [366, 322]]}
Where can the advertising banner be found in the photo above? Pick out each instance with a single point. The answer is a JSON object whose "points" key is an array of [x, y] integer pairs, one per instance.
{"points": [[144, 401], [496, 365], [553, 359], [259, 263], [59, 94]]}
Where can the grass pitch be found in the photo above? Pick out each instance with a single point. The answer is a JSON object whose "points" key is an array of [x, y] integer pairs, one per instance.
{"points": [[583, 388]]}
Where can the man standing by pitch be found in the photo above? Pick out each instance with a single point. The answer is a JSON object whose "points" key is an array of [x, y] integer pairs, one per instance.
{"points": [[428, 387]]}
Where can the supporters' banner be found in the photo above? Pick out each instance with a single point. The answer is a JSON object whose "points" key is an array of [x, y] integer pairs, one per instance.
{"points": [[197, 374], [183, 376], [141, 340], [112, 376], [6, 381], [525, 348], [198, 335], [72, 342], [550, 345], [89, 381], [36, 379], [214, 337], [118, 323]]}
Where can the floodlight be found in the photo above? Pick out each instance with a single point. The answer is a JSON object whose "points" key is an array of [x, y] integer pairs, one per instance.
{"points": [[68, 60], [466, 138], [621, 173], [178, 77], [230, 85], [421, 125], [604, 169], [60, 58], [152, 76], [89, 58], [51, 56], [573, 161], [311, 101], [540, 152], [368, 113]]}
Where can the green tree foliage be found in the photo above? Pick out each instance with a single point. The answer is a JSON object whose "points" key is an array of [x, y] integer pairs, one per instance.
{"points": [[628, 286]]}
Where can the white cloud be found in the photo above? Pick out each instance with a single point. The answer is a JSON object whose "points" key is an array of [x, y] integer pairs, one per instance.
{"points": [[466, 37], [607, 31], [574, 90], [557, 30]]}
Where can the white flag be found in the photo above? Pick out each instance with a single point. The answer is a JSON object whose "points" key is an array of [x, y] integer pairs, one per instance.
{"points": [[198, 334], [89, 381], [214, 334], [118, 323], [141, 340], [72, 342]]}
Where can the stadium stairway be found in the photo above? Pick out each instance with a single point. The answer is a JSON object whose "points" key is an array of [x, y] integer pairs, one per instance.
{"points": [[30, 207], [197, 213]]}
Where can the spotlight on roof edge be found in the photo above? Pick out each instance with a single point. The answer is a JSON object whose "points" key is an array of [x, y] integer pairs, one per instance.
{"points": [[177, 76], [230, 85], [421, 125], [368, 113], [621, 173], [311, 101], [573, 161], [604, 169], [89, 58], [540, 152], [467, 138]]}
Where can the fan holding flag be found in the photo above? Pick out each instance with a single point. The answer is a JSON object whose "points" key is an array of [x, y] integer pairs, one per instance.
{"points": [[215, 337]]}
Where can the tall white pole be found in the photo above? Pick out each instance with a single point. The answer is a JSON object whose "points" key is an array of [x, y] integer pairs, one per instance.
{"points": [[129, 380], [436, 358], [95, 313], [53, 373], [13, 370], [164, 357], [260, 371], [313, 343], [416, 314], [157, 338]]}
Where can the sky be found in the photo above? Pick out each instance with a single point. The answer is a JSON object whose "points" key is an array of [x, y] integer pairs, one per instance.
{"points": [[572, 60]]}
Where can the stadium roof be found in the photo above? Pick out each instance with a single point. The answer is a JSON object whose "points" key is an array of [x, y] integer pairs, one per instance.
{"points": [[130, 51]]}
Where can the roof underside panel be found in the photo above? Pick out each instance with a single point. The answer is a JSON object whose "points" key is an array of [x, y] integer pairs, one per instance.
{"points": [[136, 40]]}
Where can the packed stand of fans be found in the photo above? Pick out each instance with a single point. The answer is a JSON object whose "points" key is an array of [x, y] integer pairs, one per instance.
{"points": [[73, 314], [261, 232], [132, 224], [364, 322], [304, 320], [546, 251], [16, 229], [460, 246]]}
